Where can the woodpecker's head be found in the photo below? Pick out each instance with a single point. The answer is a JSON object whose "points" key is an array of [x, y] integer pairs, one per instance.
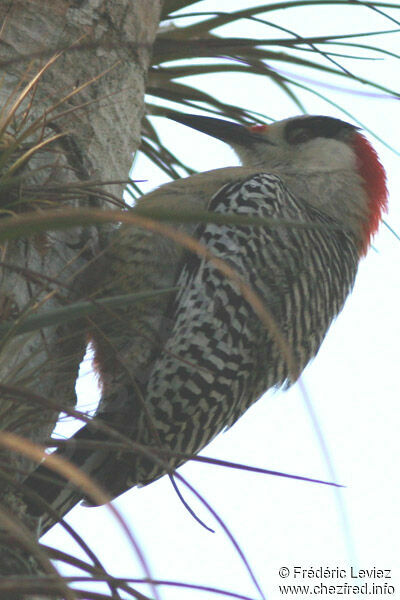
{"points": [[326, 161]]}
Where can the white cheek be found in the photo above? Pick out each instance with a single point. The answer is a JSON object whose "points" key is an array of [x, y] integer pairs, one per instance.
{"points": [[319, 154], [324, 152]]}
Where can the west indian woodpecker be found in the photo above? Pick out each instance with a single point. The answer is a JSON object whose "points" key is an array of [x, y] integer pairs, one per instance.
{"points": [[178, 369]]}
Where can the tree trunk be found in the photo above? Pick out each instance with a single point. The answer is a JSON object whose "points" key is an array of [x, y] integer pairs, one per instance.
{"points": [[107, 44]]}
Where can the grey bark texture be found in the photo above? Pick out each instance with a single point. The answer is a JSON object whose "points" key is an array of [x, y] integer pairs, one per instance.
{"points": [[107, 43]]}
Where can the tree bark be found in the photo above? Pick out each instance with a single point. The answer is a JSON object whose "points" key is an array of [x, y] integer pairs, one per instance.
{"points": [[108, 44]]}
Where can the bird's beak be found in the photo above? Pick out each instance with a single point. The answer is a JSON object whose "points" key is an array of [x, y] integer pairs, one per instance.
{"points": [[231, 133]]}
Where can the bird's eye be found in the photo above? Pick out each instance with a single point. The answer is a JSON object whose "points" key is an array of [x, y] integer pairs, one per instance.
{"points": [[299, 135]]}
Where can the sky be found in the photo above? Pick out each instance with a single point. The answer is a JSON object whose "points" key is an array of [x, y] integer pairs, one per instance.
{"points": [[352, 385]]}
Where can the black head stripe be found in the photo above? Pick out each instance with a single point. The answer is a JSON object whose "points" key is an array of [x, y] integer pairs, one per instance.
{"points": [[303, 129]]}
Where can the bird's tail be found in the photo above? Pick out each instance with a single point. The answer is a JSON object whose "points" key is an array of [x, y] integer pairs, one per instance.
{"points": [[49, 495]]}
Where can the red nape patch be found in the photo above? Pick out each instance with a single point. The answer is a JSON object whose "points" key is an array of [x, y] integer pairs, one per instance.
{"points": [[374, 178], [258, 128]]}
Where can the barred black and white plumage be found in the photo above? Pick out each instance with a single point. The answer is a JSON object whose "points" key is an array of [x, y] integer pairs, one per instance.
{"points": [[219, 358], [210, 356]]}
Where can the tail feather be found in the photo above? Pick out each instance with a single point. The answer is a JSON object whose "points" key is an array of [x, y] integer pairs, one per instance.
{"points": [[48, 494]]}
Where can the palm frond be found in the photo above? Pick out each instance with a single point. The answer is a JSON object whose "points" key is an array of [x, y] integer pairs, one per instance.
{"points": [[191, 47]]}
